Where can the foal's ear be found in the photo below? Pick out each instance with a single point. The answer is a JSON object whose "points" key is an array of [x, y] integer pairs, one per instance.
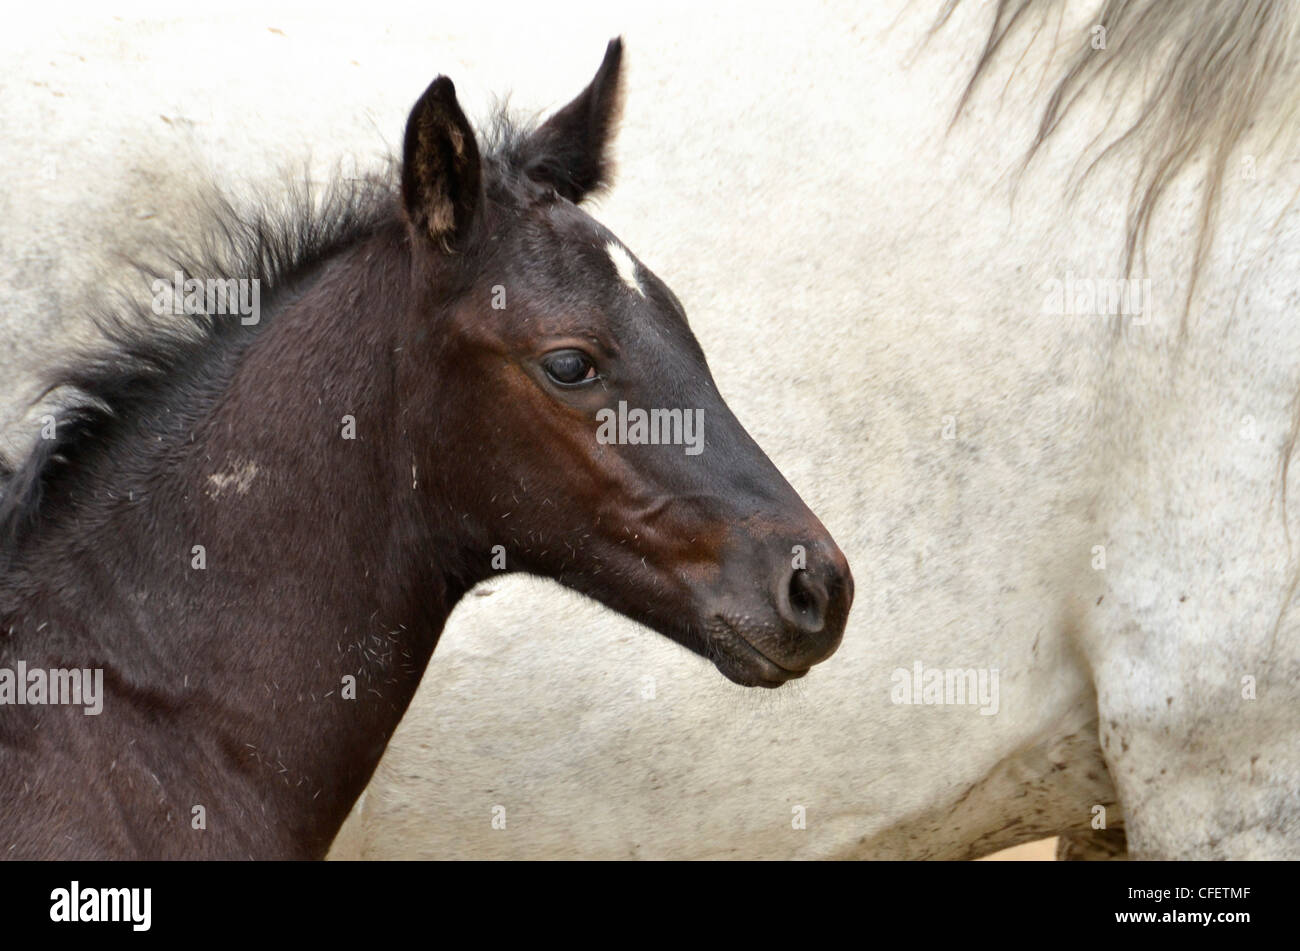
{"points": [[441, 169], [570, 151]]}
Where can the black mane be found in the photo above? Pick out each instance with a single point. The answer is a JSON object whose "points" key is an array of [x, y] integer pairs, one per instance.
{"points": [[139, 369]]}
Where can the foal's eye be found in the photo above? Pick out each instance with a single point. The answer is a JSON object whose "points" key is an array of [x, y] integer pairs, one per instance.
{"points": [[569, 367]]}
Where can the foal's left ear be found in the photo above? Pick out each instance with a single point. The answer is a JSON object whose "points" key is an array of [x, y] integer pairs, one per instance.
{"points": [[441, 170], [570, 151]]}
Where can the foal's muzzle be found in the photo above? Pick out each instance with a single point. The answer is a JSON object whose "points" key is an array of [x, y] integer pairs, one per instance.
{"points": [[780, 611]]}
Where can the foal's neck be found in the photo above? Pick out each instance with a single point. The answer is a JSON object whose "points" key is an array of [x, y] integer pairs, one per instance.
{"points": [[311, 582], [309, 504]]}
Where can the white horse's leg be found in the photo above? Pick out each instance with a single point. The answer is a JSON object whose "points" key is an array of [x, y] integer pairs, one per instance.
{"points": [[1101, 845], [1198, 683], [1212, 775], [1031, 794]]}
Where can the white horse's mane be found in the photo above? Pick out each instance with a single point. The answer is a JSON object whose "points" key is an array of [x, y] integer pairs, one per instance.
{"points": [[1209, 70]]}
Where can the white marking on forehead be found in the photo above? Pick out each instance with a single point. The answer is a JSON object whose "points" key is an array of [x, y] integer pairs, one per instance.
{"points": [[625, 266]]}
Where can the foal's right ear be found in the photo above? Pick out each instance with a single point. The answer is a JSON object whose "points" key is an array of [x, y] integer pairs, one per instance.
{"points": [[441, 170]]}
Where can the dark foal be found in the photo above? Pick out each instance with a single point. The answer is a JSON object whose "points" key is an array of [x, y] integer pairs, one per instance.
{"points": [[258, 532]]}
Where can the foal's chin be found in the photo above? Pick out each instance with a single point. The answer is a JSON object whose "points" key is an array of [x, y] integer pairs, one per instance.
{"points": [[757, 672], [741, 662], [721, 642], [733, 651]]}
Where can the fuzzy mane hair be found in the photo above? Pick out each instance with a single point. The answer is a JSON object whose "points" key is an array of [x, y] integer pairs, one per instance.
{"points": [[143, 362]]}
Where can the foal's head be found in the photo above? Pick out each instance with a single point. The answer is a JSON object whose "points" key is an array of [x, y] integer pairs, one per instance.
{"points": [[577, 424]]}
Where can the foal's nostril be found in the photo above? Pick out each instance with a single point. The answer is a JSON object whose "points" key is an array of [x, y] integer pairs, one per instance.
{"points": [[804, 602], [801, 598]]}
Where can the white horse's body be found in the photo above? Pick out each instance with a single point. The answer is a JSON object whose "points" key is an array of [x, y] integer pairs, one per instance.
{"points": [[874, 293]]}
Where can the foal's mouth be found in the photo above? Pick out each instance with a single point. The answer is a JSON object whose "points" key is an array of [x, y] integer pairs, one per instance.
{"points": [[741, 662]]}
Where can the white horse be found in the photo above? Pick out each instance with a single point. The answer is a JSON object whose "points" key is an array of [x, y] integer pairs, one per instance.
{"points": [[1063, 493]]}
